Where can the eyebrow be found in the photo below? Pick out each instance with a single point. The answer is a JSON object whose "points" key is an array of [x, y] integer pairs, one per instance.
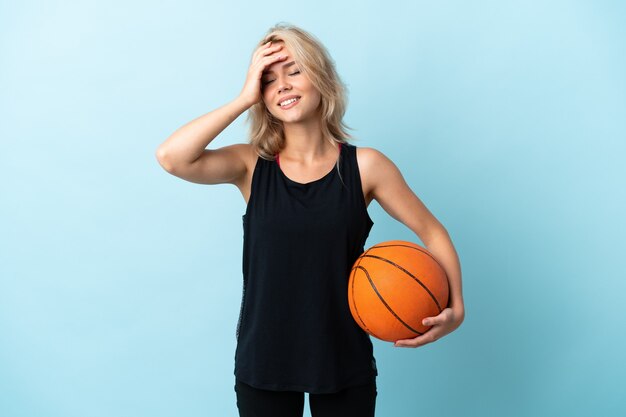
{"points": [[284, 66]]}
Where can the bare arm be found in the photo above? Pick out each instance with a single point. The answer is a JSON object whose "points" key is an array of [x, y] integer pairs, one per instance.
{"points": [[184, 153], [394, 195]]}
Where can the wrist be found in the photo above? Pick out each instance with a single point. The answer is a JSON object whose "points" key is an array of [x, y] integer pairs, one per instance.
{"points": [[244, 102]]}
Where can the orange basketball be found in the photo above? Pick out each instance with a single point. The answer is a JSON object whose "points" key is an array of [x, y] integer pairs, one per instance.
{"points": [[393, 286]]}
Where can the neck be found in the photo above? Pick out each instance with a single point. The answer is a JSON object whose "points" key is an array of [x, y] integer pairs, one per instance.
{"points": [[304, 141]]}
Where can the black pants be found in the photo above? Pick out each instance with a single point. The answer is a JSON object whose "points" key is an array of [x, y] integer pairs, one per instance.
{"points": [[351, 402]]}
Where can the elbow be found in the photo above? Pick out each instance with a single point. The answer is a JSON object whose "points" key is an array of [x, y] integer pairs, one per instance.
{"points": [[162, 158], [461, 315]]}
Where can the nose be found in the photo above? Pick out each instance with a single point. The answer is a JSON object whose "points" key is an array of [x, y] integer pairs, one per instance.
{"points": [[283, 86]]}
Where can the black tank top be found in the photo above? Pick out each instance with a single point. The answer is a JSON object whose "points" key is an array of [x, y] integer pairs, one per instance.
{"points": [[295, 331]]}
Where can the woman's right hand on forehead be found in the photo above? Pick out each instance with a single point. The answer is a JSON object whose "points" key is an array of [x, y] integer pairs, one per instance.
{"points": [[264, 56]]}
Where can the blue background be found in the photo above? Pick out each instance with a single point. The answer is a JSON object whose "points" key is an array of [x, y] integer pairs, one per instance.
{"points": [[120, 284]]}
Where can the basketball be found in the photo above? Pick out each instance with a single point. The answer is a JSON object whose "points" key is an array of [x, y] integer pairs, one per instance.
{"points": [[393, 286]]}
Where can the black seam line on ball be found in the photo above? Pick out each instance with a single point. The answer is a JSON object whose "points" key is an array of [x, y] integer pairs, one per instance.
{"points": [[410, 274], [410, 247], [367, 329], [353, 299], [385, 303]]}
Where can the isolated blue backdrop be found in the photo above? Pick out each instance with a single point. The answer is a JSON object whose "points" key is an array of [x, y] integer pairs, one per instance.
{"points": [[120, 284]]}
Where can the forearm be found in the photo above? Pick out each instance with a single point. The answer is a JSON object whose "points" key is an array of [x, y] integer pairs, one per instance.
{"points": [[440, 246], [188, 142]]}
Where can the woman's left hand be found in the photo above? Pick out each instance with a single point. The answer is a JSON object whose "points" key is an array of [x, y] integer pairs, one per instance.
{"points": [[446, 322]]}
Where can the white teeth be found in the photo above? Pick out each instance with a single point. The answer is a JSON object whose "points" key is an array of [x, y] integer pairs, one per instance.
{"points": [[287, 102]]}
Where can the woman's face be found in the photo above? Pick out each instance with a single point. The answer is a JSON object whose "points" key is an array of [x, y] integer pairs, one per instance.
{"points": [[282, 80]]}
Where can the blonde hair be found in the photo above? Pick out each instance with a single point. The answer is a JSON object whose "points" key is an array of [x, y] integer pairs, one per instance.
{"points": [[266, 132]]}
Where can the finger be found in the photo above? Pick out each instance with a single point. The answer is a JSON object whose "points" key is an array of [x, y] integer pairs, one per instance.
{"points": [[263, 50], [265, 60], [270, 49], [418, 341], [260, 48], [272, 58], [411, 343], [439, 319], [262, 63], [429, 321]]}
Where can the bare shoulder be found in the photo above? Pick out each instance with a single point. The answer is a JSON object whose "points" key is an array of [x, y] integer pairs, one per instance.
{"points": [[376, 169], [368, 156], [371, 161], [387, 186]]}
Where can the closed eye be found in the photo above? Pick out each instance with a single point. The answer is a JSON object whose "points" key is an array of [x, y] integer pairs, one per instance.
{"points": [[269, 81]]}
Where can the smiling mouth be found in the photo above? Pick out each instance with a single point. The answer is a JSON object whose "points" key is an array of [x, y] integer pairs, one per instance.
{"points": [[289, 102]]}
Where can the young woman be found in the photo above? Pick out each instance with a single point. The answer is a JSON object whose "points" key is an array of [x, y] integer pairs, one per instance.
{"points": [[307, 190]]}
